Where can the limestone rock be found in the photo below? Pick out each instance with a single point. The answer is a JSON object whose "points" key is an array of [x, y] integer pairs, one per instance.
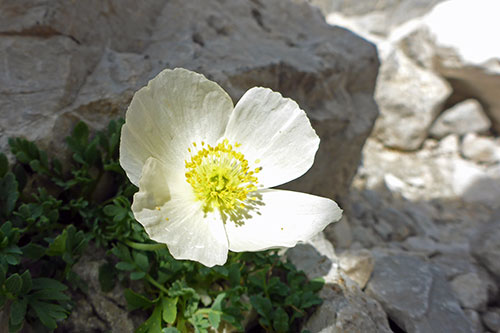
{"points": [[409, 98], [475, 184], [481, 149], [377, 17], [486, 247], [465, 117], [98, 310], [470, 291], [462, 52], [339, 233], [415, 295], [475, 321], [345, 307], [64, 62], [491, 319], [357, 265]]}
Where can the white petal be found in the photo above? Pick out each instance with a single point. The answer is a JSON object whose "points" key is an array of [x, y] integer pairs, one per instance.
{"points": [[176, 108], [178, 222], [281, 219], [275, 131]]}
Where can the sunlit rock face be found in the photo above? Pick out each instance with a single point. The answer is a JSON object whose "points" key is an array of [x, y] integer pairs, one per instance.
{"points": [[66, 61]]}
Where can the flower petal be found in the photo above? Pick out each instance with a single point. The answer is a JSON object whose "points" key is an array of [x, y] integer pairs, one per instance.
{"points": [[275, 131], [176, 108], [178, 222], [281, 219]]}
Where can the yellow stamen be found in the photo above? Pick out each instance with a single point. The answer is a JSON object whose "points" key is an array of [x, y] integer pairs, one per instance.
{"points": [[220, 177]]}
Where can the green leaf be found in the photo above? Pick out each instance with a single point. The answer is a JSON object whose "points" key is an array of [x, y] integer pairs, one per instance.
{"points": [[47, 283], [217, 304], [169, 306], [280, 320], [214, 319], [58, 246], [316, 284], [153, 324], [4, 165], [263, 306], [48, 313], [234, 274], [170, 330], [137, 275], [136, 301], [49, 295], [33, 251], [13, 284], [27, 283], [18, 310], [107, 277], [8, 194], [125, 266], [141, 260]]}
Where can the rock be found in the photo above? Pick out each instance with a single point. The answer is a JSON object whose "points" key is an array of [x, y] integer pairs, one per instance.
{"points": [[475, 320], [415, 295], [64, 62], [98, 310], [399, 225], [357, 265], [339, 233], [430, 247], [486, 247], [461, 52], [470, 291], [365, 236], [491, 319], [481, 149], [410, 95], [375, 16], [394, 184], [465, 117], [345, 307], [475, 184]]}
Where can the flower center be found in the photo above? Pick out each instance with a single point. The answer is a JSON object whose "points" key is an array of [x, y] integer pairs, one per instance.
{"points": [[220, 177]]}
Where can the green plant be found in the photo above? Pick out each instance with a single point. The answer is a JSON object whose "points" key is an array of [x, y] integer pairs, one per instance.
{"points": [[49, 216]]}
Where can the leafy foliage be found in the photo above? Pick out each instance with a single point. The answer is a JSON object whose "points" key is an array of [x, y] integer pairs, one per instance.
{"points": [[48, 217]]}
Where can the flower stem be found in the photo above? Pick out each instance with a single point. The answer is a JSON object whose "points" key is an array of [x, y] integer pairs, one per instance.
{"points": [[145, 247], [156, 283]]}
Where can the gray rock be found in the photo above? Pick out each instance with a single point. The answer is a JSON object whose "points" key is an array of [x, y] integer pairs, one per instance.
{"points": [[476, 184], [491, 319], [485, 247], [475, 320], [400, 225], [481, 149], [470, 291], [63, 62], [339, 233], [98, 310], [410, 95], [345, 309], [365, 236], [415, 295], [357, 265], [377, 17], [465, 117], [469, 63]]}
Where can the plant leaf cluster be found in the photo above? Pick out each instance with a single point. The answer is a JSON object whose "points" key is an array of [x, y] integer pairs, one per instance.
{"points": [[49, 215]]}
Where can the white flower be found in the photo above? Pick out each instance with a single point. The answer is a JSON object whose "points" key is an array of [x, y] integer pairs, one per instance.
{"points": [[204, 168]]}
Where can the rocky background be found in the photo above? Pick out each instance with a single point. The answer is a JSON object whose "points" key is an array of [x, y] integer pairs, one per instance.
{"points": [[418, 249]]}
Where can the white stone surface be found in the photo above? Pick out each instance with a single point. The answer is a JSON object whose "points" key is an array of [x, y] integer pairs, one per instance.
{"points": [[465, 117]]}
